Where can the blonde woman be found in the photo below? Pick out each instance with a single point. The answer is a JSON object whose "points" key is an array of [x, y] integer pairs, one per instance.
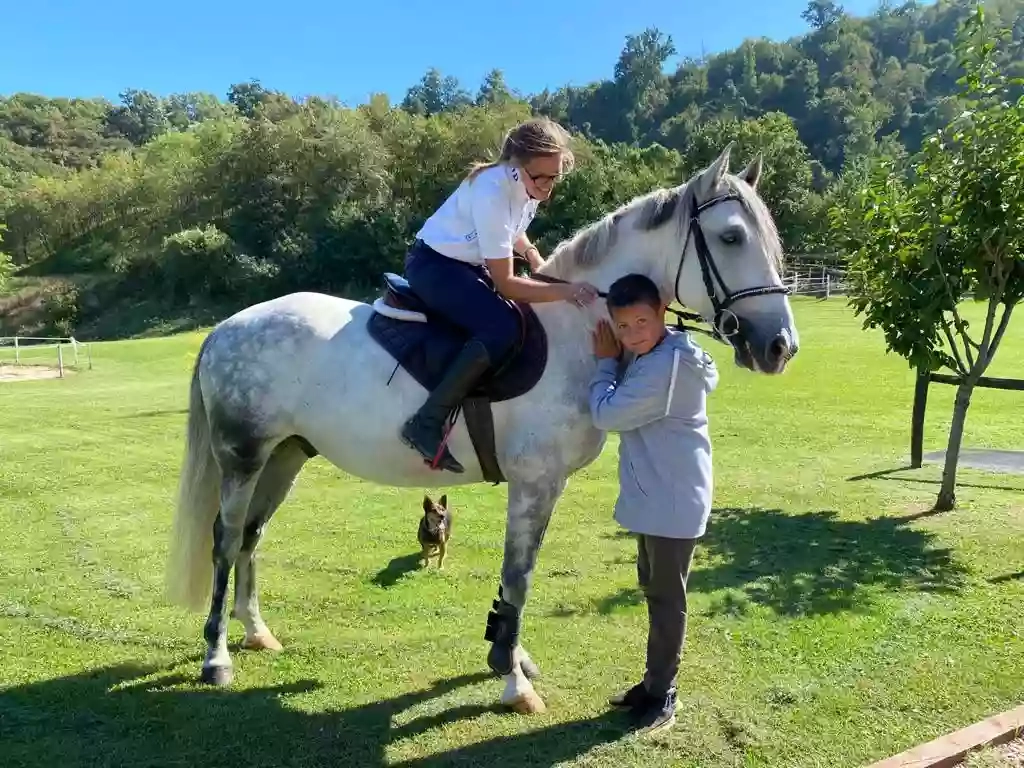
{"points": [[461, 266]]}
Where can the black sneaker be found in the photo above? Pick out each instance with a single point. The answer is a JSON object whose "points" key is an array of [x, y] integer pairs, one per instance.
{"points": [[657, 714], [631, 699]]}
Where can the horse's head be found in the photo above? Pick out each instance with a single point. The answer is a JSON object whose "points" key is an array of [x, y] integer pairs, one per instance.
{"points": [[727, 267]]}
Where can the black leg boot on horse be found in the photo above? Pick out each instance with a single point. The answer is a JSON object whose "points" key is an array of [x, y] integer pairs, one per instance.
{"points": [[425, 430], [502, 632]]}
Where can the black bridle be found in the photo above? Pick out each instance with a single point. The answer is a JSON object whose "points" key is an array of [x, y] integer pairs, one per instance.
{"points": [[710, 274], [713, 282]]}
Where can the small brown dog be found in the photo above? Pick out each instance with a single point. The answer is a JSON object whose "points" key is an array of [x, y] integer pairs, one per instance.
{"points": [[435, 530]]}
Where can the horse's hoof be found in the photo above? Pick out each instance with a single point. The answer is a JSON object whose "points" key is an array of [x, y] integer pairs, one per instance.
{"points": [[530, 669], [262, 642], [527, 704], [219, 676]]}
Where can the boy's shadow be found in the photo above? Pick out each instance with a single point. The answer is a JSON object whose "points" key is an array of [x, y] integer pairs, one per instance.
{"points": [[130, 715]]}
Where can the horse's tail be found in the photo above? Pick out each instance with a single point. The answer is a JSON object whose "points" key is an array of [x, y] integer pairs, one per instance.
{"points": [[189, 575]]}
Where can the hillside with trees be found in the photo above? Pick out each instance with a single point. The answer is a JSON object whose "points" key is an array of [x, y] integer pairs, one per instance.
{"points": [[190, 205]]}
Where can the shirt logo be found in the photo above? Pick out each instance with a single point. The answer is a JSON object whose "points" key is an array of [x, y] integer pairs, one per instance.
{"points": [[526, 218]]}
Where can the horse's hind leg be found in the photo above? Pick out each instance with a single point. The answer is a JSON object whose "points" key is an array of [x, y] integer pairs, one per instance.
{"points": [[275, 482], [240, 468]]}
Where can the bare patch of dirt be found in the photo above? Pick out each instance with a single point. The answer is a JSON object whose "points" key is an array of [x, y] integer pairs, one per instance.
{"points": [[29, 372]]}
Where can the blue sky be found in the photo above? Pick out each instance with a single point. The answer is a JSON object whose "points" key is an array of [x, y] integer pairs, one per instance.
{"points": [[350, 48]]}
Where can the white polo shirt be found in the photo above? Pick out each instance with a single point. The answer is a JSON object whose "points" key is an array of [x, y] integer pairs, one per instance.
{"points": [[483, 218]]}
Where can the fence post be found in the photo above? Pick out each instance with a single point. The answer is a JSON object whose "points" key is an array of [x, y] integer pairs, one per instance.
{"points": [[88, 355], [917, 419], [60, 360], [828, 286], [17, 352]]}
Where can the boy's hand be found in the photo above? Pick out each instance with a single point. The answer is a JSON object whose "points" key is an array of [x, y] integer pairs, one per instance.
{"points": [[605, 343]]}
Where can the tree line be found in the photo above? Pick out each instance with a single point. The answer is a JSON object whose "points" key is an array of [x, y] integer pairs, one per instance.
{"points": [[231, 200]]}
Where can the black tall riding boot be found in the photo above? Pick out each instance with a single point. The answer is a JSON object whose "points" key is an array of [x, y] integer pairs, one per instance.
{"points": [[425, 430]]}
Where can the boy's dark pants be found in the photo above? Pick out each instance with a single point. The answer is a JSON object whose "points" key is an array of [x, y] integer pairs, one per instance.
{"points": [[662, 567]]}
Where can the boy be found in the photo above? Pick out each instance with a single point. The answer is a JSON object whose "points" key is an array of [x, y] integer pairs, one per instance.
{"points": [[665, 479]]}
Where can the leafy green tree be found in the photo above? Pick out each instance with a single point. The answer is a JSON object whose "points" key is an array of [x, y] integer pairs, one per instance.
{"points": [[435, 93], [140, 118], [185, 109], [953, 231], [822, 13], [246, 97], [6, 268], [494, 90], [786, 182]]}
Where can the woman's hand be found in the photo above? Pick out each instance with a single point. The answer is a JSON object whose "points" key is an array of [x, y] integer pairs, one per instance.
{"points": [[516, 288], [581, 294]]}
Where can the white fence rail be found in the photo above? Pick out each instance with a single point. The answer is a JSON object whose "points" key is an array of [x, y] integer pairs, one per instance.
{"points": [[824, 287], [45, 350], [820, 275]]}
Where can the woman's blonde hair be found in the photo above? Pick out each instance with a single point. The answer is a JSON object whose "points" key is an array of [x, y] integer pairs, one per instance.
{"points": [[537, 137]]}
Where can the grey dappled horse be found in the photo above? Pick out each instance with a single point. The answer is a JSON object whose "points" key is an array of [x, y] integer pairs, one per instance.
{"points": [[284, 380]]}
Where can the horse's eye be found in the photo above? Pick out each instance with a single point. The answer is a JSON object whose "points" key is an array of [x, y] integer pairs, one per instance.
{"points": [[731, 237]]}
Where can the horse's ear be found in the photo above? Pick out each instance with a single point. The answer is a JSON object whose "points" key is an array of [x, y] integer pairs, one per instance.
{"points": [[714, 173], [444, 501], [752, 173]]}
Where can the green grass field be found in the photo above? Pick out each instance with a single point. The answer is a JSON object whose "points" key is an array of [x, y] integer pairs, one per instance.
{"points": [[831, 622]]}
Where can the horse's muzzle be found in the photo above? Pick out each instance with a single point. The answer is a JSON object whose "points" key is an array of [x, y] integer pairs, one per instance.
{"points": [[761, 351]]}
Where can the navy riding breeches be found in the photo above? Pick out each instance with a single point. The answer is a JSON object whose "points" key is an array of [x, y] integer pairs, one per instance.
{"points": [[465, 295]]}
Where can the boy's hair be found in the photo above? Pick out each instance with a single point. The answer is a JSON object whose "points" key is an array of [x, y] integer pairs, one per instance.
{"points": [[631, 290]]}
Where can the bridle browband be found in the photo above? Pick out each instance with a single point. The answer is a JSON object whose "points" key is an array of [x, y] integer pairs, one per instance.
{"points": [[709, 273]]}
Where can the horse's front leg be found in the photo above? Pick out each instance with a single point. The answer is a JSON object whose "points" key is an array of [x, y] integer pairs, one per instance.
{"points": [[529, 510]]}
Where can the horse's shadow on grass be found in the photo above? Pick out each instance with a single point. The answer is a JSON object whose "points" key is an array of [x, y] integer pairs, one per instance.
{"points": [[130, 715], [816, 563]]}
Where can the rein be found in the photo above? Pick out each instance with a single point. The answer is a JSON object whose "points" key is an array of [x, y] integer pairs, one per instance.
{"points": [[712, 279]]}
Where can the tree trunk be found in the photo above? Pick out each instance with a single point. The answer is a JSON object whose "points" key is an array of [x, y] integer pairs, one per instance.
{"points": [[947, 493]]}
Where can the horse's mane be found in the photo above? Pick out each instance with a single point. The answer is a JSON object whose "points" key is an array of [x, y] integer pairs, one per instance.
{"points": [[589, 245]]}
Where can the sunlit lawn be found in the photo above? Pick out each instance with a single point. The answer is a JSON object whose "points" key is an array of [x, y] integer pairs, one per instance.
{"points": [[831, 624]]}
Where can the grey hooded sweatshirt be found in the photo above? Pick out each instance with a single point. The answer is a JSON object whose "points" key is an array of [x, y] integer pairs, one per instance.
{"points": [[659, 407]]}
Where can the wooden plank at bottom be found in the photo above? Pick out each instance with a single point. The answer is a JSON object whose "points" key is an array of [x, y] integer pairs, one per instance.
{"points": [[949, 750]]}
